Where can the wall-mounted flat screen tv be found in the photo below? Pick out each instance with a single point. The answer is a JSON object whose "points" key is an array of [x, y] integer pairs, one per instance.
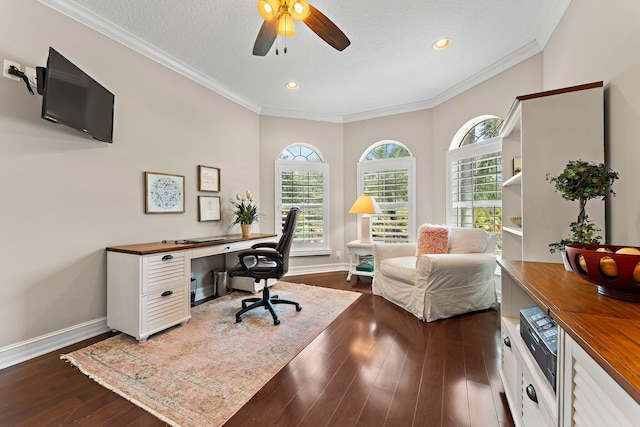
{"points": [[73, 98]]}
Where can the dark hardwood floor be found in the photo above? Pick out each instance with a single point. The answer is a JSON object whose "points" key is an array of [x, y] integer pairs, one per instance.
{"points": [[376, 365]]}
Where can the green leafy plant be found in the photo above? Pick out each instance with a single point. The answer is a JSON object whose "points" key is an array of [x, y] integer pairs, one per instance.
{"points": [[582, 181], [246, 210]]}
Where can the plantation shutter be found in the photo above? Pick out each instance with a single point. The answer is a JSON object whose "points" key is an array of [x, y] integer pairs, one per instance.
{"points": [[475, 178], [390, 182], [305, 185]]}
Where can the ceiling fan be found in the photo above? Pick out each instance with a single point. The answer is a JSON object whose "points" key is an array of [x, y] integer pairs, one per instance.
{"points": [[278, 20]]}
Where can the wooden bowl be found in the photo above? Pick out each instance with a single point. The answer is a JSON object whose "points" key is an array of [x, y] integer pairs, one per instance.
{"points": [[516, 220], [617, 275]]}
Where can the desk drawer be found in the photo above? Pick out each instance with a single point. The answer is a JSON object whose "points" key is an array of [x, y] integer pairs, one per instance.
{"points": [[163, 271], [161, 310], [537, 410]]}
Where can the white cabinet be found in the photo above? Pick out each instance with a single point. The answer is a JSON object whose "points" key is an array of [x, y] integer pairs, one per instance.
{"points": [[531, 398], [592, 398], [546, 130], [597, 380], [147, 293]]}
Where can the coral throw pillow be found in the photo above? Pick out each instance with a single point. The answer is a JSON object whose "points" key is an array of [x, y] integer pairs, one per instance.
{"points": [[432, 239]]}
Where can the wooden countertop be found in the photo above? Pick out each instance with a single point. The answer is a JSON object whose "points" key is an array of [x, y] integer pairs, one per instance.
{"points": [[171, 245], [606, 328]]}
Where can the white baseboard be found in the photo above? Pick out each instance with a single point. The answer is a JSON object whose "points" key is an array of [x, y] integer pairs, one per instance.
{"points": [[23, 351]]}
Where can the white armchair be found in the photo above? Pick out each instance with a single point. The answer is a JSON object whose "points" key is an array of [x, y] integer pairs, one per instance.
{"points": [[438, 286]]}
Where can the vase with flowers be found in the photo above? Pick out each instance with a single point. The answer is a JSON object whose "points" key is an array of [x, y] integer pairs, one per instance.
{"points": [[246, 211]]}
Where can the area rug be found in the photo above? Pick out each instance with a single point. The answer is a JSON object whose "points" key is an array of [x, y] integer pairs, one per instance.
{"points": [[205, 371]]}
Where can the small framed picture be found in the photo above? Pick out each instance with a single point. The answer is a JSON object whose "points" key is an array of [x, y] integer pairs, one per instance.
{"points": [[208, 178], [163, 193], [208, 208]]}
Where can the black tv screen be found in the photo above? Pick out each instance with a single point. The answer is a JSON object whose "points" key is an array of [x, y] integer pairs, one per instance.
{"points": [[73, 98]]}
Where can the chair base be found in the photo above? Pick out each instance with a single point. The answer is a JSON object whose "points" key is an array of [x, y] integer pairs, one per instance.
{"points": [[267, 302]]}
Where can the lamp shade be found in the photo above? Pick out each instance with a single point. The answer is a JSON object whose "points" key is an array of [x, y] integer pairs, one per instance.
{"points": [[285, 26], [365, 204], [299, 9], [268, 8]]}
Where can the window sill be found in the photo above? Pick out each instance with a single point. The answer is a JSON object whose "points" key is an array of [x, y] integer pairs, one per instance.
{"points": [[310, 252]]}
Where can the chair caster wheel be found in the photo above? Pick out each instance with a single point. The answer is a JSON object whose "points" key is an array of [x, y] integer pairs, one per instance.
{"points": [[276, 322], [298, 308], [238, 319]]}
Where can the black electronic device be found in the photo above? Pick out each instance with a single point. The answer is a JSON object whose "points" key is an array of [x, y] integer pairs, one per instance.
{"points": [[71, 97], [540, 334]]}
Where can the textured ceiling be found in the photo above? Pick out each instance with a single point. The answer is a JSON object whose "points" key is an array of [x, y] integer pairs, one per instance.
{"points": [[389, 67]]}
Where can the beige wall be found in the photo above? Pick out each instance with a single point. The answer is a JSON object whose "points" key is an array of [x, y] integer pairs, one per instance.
{"points": [[65, 197], [600, 40]]}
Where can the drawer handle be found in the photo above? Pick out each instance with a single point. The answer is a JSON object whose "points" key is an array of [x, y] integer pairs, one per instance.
{"points": [[507, 341], [531, 393], [167, 293], [167, 257]]}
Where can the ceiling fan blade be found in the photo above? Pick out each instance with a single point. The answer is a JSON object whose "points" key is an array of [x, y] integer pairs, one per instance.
{"points": [[266, 37], [326, 30]]}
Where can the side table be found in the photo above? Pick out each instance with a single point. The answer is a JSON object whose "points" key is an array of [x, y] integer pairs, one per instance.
{"points": [[356, 250]]}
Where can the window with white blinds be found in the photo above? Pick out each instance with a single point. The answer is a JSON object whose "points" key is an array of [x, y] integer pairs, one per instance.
{"points": [[475, 186], [391, 183], [304, 184]]}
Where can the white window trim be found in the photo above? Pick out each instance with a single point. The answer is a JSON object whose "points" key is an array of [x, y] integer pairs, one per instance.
{"points": [[392, 164], [304, 249]]}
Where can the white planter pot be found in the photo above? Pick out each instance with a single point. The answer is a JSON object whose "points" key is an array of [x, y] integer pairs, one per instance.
{"points": [[565, 261]]}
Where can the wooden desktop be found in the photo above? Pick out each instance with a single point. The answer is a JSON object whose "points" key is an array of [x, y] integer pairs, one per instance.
{"points": [[148, 284]]}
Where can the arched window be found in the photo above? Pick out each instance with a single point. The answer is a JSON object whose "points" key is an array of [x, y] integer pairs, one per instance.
{"points": [[302, 179], [474, 166], [386, 172]]}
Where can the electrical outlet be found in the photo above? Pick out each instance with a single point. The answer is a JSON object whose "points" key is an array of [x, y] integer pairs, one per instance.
{"points": [[5, 69], [338, 255], [31, 75]]}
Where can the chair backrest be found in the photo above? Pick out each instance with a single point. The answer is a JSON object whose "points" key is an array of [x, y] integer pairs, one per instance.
{"points": [[288, 230]]}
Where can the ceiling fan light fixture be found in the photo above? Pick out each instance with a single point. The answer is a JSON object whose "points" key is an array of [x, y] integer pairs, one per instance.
{"points": [[268, 9], [285, 26], [299, 9], [441, 44]]}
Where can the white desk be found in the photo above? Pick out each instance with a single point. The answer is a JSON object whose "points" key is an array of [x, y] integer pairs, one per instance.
{"points": [[148, 285], [356, 250]]}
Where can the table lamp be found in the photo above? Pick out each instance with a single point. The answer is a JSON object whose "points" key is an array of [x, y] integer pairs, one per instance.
{"points": [[365, 205]]}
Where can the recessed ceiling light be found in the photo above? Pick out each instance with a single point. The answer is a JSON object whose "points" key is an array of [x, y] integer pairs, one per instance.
{"points": [[441, 44], [291, 85]]}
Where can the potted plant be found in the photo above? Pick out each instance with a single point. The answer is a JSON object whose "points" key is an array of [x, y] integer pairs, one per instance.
{"points": [[582, 181], [246, 211]]}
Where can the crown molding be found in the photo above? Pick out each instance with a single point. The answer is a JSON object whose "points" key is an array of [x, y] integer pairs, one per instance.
{"points": [[84, 16], [303, 115], [122, 36], [521, 55]]}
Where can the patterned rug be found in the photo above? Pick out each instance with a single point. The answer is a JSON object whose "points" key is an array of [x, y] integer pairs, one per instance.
{"points": [[204, 372]]}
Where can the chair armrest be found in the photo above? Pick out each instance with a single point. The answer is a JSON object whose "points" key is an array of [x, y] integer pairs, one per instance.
{"points": [[382, 251], [455, 263], [271, 245], [251, 258]]}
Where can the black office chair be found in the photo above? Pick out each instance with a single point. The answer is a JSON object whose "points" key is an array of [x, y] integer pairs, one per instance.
{"points": [[264, 261]]}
